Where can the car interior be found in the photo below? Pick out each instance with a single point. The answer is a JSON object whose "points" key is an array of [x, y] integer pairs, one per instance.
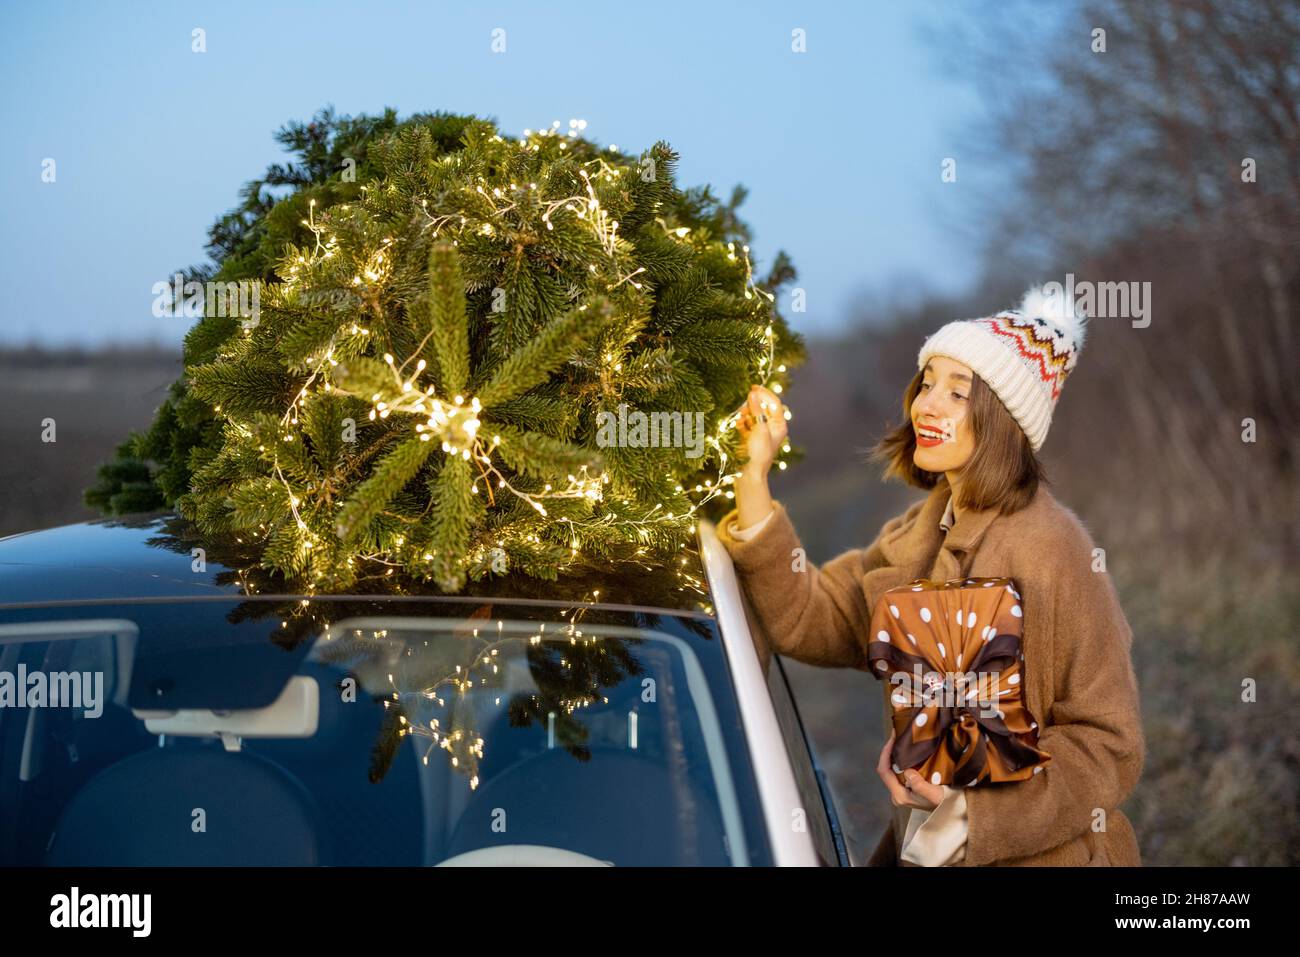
{"points": [[290, 783]]}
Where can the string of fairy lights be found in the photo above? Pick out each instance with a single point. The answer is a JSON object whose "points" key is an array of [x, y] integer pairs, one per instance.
{"points": [[464, 746], [454, 421]]}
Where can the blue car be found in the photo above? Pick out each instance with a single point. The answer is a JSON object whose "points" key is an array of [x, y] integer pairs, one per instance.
{"points": [[162, 702]]}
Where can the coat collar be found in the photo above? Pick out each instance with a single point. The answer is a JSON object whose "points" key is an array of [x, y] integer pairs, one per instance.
{"points": [[967, 534], [917, 541]]}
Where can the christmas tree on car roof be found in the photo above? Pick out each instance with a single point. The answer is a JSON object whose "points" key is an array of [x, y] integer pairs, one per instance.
{"points": [[420, 389]]}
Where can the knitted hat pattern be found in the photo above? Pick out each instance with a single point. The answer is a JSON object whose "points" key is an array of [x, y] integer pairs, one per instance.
{"points": [[1024, 355]]}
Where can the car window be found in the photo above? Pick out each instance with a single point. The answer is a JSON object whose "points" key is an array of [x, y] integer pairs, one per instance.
{"points": [[394, 734]]}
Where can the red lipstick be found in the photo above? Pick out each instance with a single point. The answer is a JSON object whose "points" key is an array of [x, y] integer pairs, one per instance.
{"points": [[928, 437]]}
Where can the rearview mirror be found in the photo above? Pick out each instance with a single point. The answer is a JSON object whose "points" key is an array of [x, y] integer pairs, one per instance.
{"points": [[295, 714]]}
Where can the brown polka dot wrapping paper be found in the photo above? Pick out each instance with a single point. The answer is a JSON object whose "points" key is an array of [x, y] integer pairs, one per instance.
{"points": [[951, 654]]}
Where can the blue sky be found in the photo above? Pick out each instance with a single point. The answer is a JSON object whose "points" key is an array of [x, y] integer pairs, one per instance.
{"points": [[840, 146]]}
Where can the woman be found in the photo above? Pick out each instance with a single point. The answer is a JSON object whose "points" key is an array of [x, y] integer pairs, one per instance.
{"points": [[975, 414]]}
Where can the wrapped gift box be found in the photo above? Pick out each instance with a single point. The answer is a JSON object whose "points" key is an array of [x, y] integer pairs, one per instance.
{"points": [[952, 656]]}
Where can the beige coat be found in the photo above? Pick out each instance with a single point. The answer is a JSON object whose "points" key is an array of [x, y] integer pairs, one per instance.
{"points": [[1079, 679]]}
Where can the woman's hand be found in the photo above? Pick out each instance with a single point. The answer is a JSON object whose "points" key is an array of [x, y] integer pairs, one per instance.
{"points": [[918, 793], [763, 427]]}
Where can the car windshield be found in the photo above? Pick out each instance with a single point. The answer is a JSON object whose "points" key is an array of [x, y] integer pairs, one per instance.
{"points": [[369, 731]]}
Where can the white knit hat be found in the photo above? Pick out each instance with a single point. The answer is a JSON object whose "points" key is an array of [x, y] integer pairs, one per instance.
{"points": [[1023, 354]]}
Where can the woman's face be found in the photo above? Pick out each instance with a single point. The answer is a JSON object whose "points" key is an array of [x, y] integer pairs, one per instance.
{"points": [[945, 440]]}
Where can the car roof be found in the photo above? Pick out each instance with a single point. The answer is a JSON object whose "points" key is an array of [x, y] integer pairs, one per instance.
{"points": [[151, 557]]}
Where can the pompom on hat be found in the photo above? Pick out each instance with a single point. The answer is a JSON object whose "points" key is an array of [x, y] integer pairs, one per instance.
{"points": [[1023, 354]]}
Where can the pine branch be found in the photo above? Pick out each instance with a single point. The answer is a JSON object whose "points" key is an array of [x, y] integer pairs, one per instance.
{"points": [[450, 330], [534, 454], [719, 341], [532, 364], [454, 507], [258, 384], [392, 472]]}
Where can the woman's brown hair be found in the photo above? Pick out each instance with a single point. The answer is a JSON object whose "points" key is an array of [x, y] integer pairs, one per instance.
{"points": [[1003, 471]]}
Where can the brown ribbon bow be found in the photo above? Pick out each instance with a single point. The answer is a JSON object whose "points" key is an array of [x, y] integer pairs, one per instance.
{"points": [[951, 653]]}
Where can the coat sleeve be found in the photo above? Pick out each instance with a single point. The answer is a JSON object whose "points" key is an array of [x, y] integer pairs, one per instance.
{"points": [[814, 615], [1094, 735]]}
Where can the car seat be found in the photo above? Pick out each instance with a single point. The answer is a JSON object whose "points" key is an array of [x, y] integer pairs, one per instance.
{"points": [[367, 823], [139, 812]]}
